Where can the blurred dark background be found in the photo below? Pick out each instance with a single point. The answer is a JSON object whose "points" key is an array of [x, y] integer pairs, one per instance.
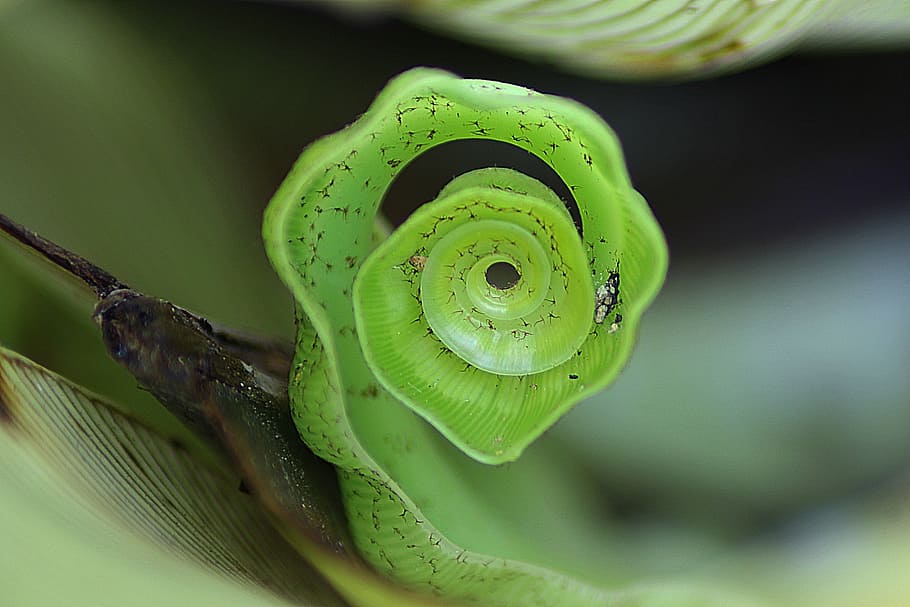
{"points": [[804, 143], [773, 374]]}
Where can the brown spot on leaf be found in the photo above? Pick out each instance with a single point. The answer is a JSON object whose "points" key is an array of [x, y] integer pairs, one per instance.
{"points": [[418, 262], [6, 399]]}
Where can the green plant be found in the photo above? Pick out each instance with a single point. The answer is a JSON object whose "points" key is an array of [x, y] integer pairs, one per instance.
{"points": [[174, 182], [415, 327]]}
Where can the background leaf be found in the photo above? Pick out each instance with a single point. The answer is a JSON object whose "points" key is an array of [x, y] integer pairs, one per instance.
{"points": [[816, 382], [96, 508], [90, 467], [654, 40]]}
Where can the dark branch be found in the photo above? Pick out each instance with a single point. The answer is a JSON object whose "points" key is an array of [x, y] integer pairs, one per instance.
{"points": [[230, 388], [99, 281]]}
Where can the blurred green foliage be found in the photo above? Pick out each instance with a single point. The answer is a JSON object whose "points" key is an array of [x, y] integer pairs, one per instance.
{"points": [[766, 384], [109, 148]]}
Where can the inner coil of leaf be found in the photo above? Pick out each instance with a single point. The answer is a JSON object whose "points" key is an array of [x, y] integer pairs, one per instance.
{"points": [[481, 219]]}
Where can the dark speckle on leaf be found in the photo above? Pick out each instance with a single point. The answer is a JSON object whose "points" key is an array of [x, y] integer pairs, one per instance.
{"points": [[6, 416]]}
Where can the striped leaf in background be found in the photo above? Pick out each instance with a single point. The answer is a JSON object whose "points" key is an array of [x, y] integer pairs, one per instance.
{"points": [[648, 39], [99, 510]]}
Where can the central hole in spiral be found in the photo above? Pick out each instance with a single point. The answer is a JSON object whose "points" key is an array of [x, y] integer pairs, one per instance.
{"points": [[502, 275]]}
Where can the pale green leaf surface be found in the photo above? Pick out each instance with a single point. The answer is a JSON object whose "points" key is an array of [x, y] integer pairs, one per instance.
{"points": [[99, 510], [106, 508], [58, 554], [861, 25]]}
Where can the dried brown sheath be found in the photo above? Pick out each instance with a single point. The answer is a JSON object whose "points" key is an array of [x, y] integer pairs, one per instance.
{"points": [[228, 387]]}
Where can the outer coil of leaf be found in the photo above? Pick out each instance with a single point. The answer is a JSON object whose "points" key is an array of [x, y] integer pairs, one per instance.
{"points": [[375, 355]]}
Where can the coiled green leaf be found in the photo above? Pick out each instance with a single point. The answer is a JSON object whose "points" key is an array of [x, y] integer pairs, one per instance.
{"points": [[488, 313]]}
